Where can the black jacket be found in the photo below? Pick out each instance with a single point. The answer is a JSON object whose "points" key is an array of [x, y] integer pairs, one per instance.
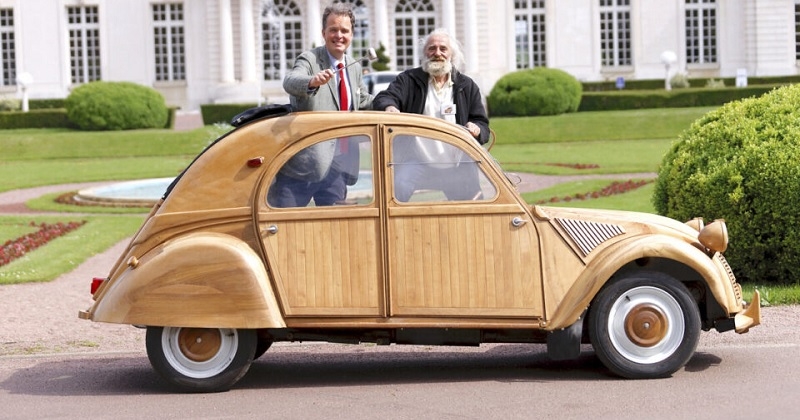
{"points": [[410, 89]]}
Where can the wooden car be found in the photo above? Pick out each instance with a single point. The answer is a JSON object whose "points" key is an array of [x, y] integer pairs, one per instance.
{"points": [[429, 242]]}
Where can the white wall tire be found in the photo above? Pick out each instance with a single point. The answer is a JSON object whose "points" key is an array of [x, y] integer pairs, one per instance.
{"points": [[201, 359], [644, 326]]}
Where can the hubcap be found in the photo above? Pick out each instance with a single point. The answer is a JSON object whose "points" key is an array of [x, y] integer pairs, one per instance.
{"points": [[199, 344], [646, 325]]}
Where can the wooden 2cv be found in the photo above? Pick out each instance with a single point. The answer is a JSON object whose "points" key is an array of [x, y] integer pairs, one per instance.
{"points": [[431, 244]]}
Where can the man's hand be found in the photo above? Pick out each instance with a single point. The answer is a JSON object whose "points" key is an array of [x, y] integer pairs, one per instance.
{"points": [[473, 129], [391, 108], [320, 78]]}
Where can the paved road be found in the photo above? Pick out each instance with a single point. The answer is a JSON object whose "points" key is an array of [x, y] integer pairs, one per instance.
{"points": [[722, 381]]}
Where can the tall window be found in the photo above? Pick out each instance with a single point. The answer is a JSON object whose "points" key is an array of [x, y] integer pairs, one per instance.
{"points": [[361, 39], [529, 33], [414, 19], [615, 33], [8, 57], [84, 43], [701, 31], [797, 29], [168, 39], [282, 34]]}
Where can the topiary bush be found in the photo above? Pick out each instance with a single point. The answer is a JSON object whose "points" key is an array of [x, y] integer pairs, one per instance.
{"points": [[740, 163], [537, 91], [116, 106]]}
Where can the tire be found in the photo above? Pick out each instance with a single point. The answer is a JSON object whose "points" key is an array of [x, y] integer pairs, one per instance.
{"points": [[644, 326], [201, 359], [261, 348]]}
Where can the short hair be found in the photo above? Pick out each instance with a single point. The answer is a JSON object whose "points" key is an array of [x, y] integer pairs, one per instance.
{"points": [[339, 9], [457, 57]]}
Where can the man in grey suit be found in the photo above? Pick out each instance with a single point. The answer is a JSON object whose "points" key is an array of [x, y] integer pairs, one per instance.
{"points": [[325, 79]]}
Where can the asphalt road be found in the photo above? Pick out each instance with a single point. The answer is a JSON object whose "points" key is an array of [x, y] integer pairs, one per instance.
{"points": [[732, 379]]}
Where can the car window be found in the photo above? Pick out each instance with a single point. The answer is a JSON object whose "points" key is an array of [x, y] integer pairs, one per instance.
{"points": [[332, 172], [430, 170]]}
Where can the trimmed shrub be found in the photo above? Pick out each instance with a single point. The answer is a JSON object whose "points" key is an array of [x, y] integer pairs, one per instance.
{"points": [[676, 98], [36, 118], [740, 163], [116, 106], [10, 104], [537, 91]]}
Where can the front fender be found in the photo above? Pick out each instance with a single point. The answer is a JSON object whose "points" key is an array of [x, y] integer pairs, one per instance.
{"points": [[612, 259], [196, 280]]}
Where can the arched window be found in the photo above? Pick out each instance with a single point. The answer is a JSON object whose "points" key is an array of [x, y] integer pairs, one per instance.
{"points": [[282, 35], [361, 38], [414, 19]]}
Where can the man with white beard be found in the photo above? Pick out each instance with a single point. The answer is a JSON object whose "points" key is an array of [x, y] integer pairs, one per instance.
{"points": [[438, 89]]}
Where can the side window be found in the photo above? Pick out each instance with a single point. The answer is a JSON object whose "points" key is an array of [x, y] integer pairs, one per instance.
{"points": [[430, 170], [332, 172]]}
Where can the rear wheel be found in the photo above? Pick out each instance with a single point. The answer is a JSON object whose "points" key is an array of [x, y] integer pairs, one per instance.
{"points": [[201, 359], [644, 326]]}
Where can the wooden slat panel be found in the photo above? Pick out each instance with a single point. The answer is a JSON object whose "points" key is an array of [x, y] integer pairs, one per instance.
{"points": [[316, 268], [463, 265]]}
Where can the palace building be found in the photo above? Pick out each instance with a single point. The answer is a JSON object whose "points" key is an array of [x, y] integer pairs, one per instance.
{"points": [[224, 51]]}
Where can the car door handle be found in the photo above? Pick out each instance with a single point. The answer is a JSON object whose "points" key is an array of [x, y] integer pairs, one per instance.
{"points": [[272, 229], [518, 221]]}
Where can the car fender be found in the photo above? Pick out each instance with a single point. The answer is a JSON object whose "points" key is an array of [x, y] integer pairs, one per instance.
{"points": [[195, 280], [612, 259]]}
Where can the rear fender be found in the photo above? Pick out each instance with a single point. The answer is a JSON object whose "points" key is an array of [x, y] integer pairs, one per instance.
{"points": [[195, 280]]}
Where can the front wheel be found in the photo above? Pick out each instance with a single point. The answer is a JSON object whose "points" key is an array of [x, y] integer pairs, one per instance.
{"points": [[201, 359], [644, 326]]}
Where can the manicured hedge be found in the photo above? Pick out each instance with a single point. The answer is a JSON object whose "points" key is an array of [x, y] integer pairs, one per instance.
{"points": [[740, 163], [222, 113], [537, 91], [37, 118], [676, 98], [116, 106]]}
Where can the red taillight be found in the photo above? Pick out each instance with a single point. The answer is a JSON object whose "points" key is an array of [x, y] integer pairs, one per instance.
{"points": [[96, 283]]}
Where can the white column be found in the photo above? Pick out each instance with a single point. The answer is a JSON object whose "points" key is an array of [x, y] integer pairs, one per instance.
{"points": [[449, 16], [248, 35], [471, 37], [382, 25], [225, 42], [315, 23]]}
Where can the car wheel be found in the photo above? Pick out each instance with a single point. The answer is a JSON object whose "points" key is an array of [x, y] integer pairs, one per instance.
{"points": [[201, 359], [644, 326]]}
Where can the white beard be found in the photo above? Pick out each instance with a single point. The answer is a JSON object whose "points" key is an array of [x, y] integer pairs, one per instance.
{"points": [[437, 68]]}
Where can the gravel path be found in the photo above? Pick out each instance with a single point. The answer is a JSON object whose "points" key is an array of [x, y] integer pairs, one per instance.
{"points": [[42, 318]]}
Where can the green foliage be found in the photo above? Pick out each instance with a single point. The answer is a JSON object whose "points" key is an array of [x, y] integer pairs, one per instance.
{"points": [[116, 106], [680, 81], [382, 63], [715, 83], [35, 118], [739, 163], [222, 113], [537, 91], [10, 104], [676, 98]]}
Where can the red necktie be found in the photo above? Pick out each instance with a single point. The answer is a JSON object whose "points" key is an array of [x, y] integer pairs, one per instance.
{"points": [[343, 103]]}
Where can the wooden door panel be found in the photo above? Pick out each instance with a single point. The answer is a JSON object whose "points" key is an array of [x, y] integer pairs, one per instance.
{"points": [[465, 265], [323, 267]]}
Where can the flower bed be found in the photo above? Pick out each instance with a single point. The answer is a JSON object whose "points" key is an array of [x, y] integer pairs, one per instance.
{"points": [[615, 187], [18, 247]]}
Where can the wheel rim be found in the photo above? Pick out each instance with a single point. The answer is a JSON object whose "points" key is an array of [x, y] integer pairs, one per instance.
{"points": [[646, 325], [199, 352]]}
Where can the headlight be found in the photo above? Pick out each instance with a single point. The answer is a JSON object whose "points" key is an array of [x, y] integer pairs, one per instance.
{"points": [[696, 224], [714, 236]]}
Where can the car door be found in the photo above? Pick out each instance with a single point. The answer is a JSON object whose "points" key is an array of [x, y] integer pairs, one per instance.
{"points": [[324, 260], [460, 242]]}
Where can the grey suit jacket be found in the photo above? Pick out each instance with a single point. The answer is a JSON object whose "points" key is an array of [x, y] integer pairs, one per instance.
{"points": [[325, 98]]}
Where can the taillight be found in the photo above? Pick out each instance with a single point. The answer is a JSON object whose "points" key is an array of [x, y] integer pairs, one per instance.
{"points": [[96, 283]]}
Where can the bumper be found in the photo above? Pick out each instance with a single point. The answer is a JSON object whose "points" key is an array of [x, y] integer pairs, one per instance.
{"points": [[751, 316]]}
